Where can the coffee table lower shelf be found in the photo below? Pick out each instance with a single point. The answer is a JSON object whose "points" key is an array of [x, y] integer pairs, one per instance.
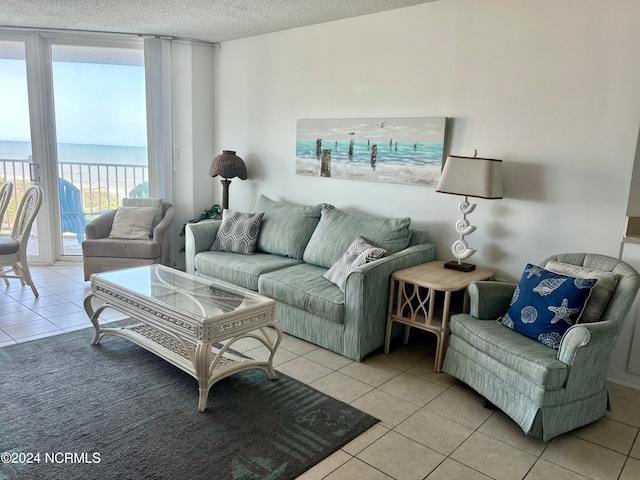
{"points": [[205, 363], [208, 364]]}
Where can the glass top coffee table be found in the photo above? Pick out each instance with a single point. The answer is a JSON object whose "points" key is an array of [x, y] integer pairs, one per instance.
{"points": [[181, 317]]}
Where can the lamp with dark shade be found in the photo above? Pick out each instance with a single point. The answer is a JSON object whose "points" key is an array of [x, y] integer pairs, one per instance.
{"points": [[469, 177], [228, 165]]}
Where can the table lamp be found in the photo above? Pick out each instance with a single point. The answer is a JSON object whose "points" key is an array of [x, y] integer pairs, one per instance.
{"points": [[228, 165], [469, 177]]}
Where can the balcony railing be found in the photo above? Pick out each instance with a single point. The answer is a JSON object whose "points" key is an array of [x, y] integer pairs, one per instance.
{"points": [[102, 186]]}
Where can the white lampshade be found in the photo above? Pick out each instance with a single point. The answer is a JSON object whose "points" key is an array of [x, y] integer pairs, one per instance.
{"points": [[471, 176]]}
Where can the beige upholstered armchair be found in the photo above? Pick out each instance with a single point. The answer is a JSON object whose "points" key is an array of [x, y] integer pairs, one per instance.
{"points": [[136, 234]]}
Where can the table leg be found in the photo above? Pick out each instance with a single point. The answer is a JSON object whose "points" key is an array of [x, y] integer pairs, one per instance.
{"points": [[270, 370], [201, 365], [390, 310], [93, 316], [442, 336]]}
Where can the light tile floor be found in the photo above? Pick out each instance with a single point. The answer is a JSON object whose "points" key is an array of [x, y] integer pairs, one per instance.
{"points": [[431, 426]]}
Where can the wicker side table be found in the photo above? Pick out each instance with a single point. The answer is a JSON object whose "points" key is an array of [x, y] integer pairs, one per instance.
{"points": [[412, 300]]}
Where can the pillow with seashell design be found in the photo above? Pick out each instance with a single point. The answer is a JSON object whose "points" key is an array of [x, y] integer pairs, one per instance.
{"points": [[545, 304], [601, 293]]}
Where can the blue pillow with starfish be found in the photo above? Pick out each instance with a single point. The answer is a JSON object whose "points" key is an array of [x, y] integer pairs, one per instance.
{"points": [[545, 304]]}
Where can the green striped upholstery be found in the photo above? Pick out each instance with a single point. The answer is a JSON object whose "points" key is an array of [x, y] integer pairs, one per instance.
{"points": [[285, 229], [307, 305], [547, 392], [338, 229], [236, 269], [527, 357], [304, 287]]}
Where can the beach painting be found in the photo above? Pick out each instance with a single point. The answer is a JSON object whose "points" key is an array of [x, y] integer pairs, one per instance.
{"points": [[393, 150]]}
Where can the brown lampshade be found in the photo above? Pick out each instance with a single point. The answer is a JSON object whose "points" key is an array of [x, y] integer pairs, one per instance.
{"points": [[228, 165]]}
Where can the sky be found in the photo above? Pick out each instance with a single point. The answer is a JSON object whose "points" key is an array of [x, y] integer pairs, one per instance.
{"points": [[95, 103]]}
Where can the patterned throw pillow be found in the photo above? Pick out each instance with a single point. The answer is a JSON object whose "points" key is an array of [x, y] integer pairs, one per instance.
{"points": [[359, 253], [238, 232], [601, 293], [545, 304]]}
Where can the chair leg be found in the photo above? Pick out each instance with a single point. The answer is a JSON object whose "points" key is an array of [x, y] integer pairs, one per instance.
{"points": [[26, 278], [17, 271]]}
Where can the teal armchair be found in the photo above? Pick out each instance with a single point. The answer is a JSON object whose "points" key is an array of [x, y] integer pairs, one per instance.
{"points": [[546, 392]]}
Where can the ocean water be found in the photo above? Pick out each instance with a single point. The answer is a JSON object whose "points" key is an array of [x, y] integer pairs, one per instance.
{"points": [[388, 153], [80, 153]]}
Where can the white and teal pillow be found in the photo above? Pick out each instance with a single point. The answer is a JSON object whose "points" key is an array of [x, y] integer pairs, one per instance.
{"points": [[238, 232], [545, 304], [360, 252]]}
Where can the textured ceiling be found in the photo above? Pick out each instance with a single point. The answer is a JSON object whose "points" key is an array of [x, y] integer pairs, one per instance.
{"points": [[207, 20]]}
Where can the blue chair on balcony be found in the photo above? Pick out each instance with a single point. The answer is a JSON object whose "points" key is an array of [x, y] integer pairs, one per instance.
{"points": [[140, 191], [73, 216]]}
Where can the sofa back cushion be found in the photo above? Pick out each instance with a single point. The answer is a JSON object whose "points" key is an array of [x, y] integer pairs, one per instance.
{"points": [[285, 229], [337, 229]]}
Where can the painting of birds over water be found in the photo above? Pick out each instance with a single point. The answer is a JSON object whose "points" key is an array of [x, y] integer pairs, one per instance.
{"points": [[392, 150]]}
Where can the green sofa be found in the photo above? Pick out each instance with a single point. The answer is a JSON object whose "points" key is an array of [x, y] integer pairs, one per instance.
{"points": [[296, 246]]}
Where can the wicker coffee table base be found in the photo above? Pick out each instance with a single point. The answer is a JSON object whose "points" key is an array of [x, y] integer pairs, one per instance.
{"points": [[188, 345]]}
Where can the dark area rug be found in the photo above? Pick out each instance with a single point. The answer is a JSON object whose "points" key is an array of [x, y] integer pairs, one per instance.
{"points": [[77, 411]]}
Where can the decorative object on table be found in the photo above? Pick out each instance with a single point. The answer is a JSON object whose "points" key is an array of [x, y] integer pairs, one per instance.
{"points": [[228, 165], [470, 177], [392, 150]]}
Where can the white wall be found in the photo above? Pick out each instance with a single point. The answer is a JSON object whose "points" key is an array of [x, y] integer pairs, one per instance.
{"points": [[193, 108], [552, 88]]}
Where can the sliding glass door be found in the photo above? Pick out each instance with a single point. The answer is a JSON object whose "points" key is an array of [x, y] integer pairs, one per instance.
{"points": [[100, 122], [15, 134], [73, 120]]}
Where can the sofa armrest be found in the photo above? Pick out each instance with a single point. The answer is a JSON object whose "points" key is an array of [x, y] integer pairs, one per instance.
{"points": [[161, 235], [489, 300], [100, 227], [586, 348], [198, 237], [367, 297]]}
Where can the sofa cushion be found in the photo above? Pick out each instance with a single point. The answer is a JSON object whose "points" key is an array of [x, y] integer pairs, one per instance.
{"points": [[238, 232], [237, 269], [285, 229], [601, 292], [545, 304], [117, 248], [531, 359], [304, 287], [337, 229], [359, 253]]}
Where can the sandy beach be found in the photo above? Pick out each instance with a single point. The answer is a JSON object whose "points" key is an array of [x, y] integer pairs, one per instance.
{"points": [[423, 176]]}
